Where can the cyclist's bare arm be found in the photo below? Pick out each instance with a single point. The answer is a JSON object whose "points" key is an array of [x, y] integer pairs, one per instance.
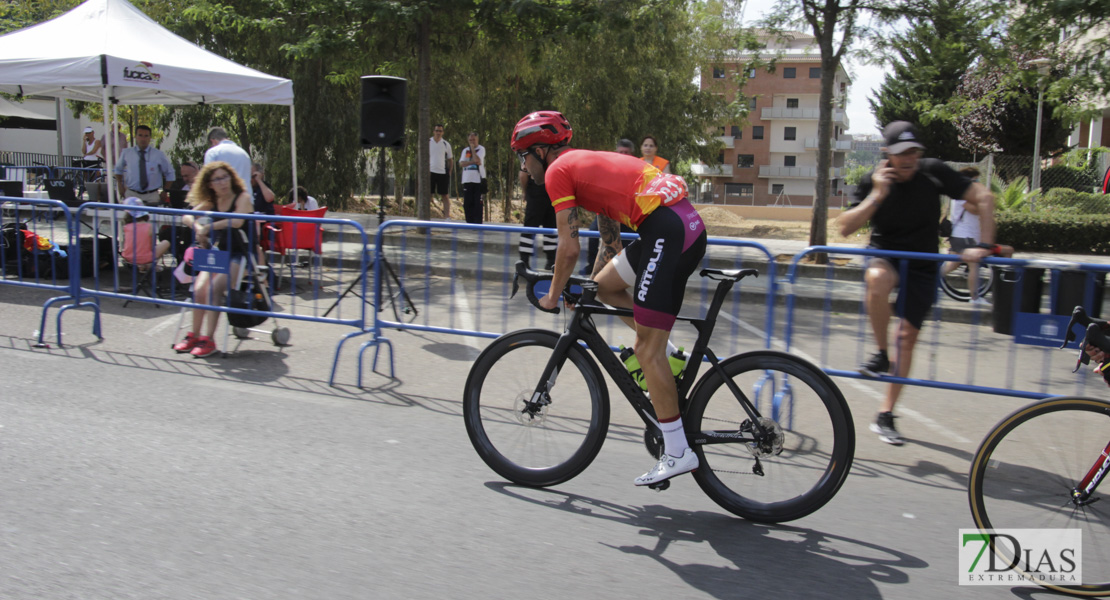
{"points": [[610, 232], [566, 255]]}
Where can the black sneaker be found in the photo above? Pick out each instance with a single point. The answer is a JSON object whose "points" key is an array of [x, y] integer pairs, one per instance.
{"points": [[876, 366], [884, 426]]}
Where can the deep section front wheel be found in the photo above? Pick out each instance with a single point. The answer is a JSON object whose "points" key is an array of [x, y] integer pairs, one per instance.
{"points": [[790, 476], [531, 438], [1026, 469]]}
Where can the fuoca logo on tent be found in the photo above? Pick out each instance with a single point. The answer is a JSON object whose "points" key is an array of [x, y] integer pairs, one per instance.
{"points": [[141, 72]]}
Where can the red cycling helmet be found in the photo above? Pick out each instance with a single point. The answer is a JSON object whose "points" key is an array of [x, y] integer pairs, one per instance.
{"points": [[542, 127]]}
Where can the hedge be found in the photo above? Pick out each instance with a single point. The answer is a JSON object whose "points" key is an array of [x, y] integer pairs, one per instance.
{"points": [[1075, 202], [1061, 233]]}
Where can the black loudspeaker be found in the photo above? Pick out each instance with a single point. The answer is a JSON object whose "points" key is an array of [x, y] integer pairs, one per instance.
{"points": [[383, 112]]}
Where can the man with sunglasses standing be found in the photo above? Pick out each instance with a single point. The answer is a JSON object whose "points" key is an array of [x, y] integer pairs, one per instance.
{"points": [[649, 276], [902, 200]]}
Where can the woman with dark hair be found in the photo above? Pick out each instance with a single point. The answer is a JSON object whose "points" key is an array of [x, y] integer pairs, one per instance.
{"points": [[219, 189], [648, 147]]}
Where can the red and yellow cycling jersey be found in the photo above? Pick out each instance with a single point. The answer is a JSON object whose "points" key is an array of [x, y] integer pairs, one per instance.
{"points": [[621, 187]]}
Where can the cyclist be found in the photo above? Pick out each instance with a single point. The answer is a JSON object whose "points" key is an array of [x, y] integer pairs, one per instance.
{"points": [[623, 189]]}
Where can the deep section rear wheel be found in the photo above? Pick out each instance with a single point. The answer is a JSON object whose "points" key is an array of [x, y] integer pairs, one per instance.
{"points": [[530, 439], [774, 483], [1024, 472]]}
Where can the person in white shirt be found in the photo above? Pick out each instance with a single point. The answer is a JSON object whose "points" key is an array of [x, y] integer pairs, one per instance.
{"points": [[965, 234], [300, 200], [440, 158], [473, 172], [225, 150]]}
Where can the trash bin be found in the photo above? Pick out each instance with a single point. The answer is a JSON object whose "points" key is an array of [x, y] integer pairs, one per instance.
{"points": [[1071, 291], [1006, 281]]}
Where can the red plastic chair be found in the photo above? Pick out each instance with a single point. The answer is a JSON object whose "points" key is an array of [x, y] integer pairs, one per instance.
{"points": [[293, 237]]}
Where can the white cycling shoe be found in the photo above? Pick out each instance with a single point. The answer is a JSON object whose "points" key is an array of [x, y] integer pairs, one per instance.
{"points": [[669, 466]]}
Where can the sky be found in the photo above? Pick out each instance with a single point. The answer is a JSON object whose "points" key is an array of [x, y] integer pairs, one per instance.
{"points": [[865, 78]]}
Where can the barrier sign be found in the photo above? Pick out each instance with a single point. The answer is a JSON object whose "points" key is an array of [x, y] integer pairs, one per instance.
{"points": [[213, 261], [1035, 329]]}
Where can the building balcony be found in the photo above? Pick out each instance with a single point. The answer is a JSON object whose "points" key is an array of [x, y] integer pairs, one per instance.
{"points": [[807, 114], [728, 141], [767, 171], [712, 171], [838, 145]]}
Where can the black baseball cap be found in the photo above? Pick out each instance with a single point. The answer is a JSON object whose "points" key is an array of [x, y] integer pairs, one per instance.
{"points": [[899, 136]]}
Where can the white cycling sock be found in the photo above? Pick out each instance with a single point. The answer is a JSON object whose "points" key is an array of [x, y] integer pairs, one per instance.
{"points": [[674, 437]]}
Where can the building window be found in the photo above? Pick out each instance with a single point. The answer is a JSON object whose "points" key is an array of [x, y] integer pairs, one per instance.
{"points": [[718, 73], [815, 72], [790, 133], [745, 161], [739, 189], [790, 161], [737, 132], [791, 103], [751, 103], [789, 73], [721, 158], [776, 188], [757, 132], [751, 73], [721, 130]]}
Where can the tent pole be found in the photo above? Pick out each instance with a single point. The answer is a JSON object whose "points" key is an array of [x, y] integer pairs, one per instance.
{"points": [[293, 143]]}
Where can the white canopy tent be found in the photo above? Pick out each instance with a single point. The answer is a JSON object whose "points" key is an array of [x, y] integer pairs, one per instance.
{"points": [[108, 51]]}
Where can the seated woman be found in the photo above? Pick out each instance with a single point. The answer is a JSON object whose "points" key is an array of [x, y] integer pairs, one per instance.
{"points": [[218, 188], [138, 246], [300, 199]]}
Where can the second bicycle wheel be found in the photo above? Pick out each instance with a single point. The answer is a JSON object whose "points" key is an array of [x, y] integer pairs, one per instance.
{"points": [[817, 445], [530, 440], [957, 287], [1024, 471]]}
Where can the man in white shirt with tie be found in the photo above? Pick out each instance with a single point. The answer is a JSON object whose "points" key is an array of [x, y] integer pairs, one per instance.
{"points": [[143, 170]]}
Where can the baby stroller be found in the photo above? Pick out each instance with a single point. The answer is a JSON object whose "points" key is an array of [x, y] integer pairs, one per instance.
{"points": [[248, 291]]}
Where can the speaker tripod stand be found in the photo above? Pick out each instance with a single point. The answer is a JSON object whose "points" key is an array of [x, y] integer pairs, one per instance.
{"points": [[403, 307]]}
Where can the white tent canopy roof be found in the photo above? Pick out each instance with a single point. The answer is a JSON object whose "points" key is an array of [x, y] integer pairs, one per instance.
{"points": [[110, 42]]}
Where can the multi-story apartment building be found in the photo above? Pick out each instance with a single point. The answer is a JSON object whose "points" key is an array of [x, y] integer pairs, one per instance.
{"points": [[772, 158]]}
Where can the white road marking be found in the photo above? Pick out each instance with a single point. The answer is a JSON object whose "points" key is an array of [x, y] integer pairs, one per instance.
{"points": [[169, 321], [860, 387]]}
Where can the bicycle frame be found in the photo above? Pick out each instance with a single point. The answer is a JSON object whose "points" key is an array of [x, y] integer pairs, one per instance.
{"points": [[1087, 486], [582, 327]]}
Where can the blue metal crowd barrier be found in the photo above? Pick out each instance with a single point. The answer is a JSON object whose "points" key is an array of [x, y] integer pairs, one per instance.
{"points": [[39, 253], [347, 262], [435, 272], [955, 328]]}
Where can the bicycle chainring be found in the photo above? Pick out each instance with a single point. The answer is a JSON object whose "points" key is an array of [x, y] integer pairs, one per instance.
{"points": [[654, 443]]}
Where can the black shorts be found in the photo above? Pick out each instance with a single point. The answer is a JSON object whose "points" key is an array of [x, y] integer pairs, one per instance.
{"points": [[918, 293], [671, 245], [439, 183]]}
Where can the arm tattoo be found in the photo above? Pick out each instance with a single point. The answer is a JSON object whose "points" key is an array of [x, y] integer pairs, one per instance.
{"points": [[573, 222], [610, 232]]}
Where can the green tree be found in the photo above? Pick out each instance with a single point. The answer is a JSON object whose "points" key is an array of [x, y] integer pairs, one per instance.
{"points": [[837, 25], [928, 60]]}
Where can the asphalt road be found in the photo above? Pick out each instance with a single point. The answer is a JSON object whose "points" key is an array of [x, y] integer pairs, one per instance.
{"points": [[132, 472]]}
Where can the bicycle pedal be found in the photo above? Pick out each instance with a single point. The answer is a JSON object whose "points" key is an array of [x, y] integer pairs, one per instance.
{"points": [[662, 485]]}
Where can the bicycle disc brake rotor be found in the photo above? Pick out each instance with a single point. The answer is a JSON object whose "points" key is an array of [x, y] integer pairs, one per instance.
{"points": [[529, 413], [772, 445]]}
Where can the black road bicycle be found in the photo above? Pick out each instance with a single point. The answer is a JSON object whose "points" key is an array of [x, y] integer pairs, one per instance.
{"points": [[1040, 468], [772, 432], [955, 284]]}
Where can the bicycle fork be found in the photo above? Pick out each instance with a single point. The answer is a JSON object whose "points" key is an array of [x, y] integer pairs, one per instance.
{"points": [[1081, 494], [541, 396]]}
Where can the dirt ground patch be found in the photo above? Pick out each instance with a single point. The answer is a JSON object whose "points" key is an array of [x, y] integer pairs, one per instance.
{"points": [[719, 222]]}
